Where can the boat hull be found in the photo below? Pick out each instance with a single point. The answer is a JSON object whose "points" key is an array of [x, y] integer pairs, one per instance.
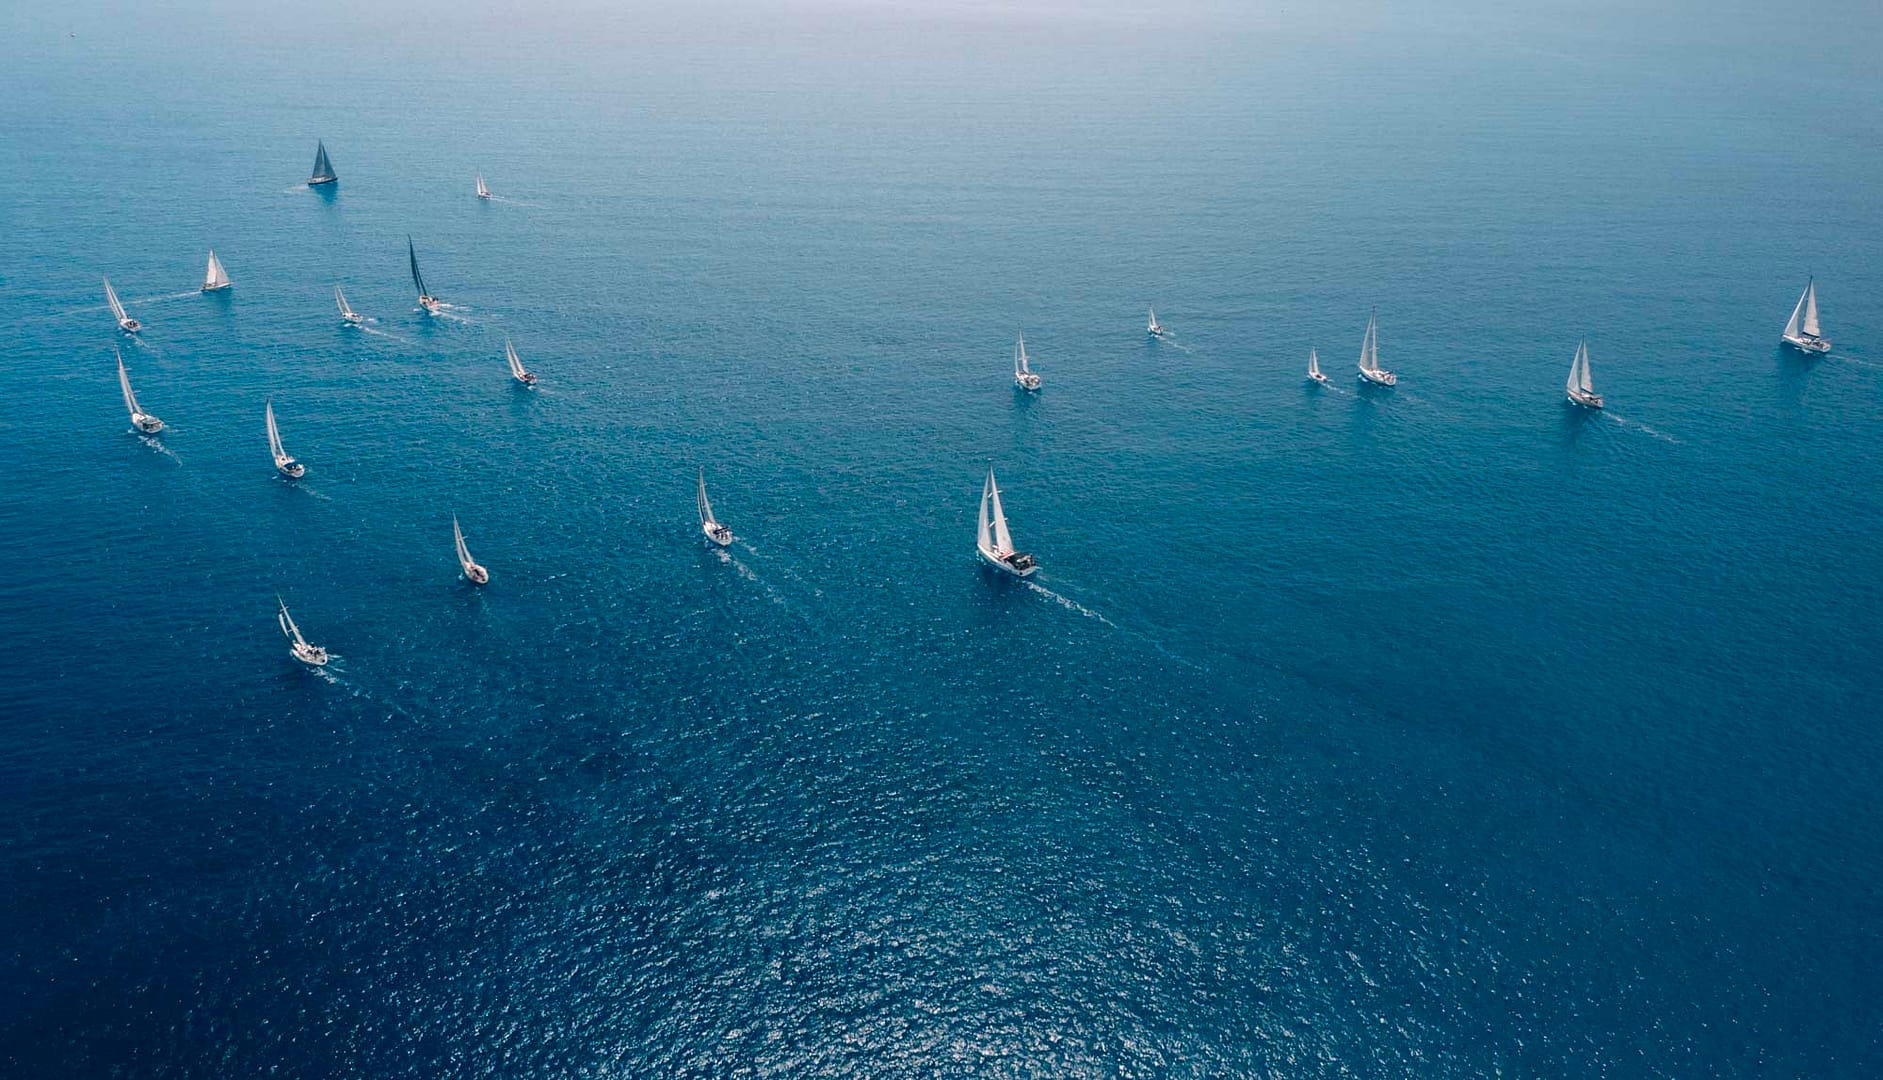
{"points": [[149, 425], [352, 319], [1587, 401], [1027, 382], [130, 326], [1318, 379], [1379, 378], [216, 288], [1812, 345], [1005, 567], [293, 470], [317, 181], [477, 575], [719, 535], [309, 654]]}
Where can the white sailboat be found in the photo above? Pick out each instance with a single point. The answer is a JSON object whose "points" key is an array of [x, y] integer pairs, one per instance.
{"points": [[1155, 329], [993, 541], [1580, 389], [1023, 375], [125, 322], [215, 278], [1802, 332], [140, 419], [323, 169], [1314, 368], [289, 467], [1370, 369], [476, 574], [297, 645], [347, 314], [517, 370], [709, 525], [482, 191]]}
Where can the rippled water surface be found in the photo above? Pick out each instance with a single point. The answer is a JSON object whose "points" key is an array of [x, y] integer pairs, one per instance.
{"points": [[1440, 731]]}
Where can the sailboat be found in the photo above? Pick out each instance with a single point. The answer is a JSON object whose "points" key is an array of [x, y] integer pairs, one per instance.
{"points": [[297, 645], [993, 541], [1370, 369], [476, 574], [216, 278], [1156, 329], [517, 371], [709, 524], [289, 467], [140, 419], [1581, 390], [323, 169], [347, 314], [125, 322], [1023, 376], [1802, 332], [1313, 367], [425, 299], [482, 191]]}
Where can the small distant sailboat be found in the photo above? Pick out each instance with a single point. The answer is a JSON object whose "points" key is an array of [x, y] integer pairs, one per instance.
{"points": [[709, 524], [289, 467], [425, 300], [992, 539], [216, 278], [1802, 331], [476, 574], [298, 646], [1155, 329], [140, 419], [517, 370], [1314, 368], [1370, 369], [125, 322], [1023, 375], [1581, 390], [482, 191], [323, 169], [347, 314]]}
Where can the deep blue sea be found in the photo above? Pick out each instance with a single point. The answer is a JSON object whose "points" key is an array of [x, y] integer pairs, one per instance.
{"points": [[1445, 731]]}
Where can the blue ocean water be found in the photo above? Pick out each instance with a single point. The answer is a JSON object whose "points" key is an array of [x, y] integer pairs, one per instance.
{"points": [[1445, 731]]}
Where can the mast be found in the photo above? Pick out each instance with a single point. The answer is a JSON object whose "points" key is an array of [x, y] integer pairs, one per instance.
{"points": [[124, 383], [1810, 324], [1019, 356], [323, 169], [1003, 541], [1369, 346], [1314, 362], [286, 620], [983, 536]]}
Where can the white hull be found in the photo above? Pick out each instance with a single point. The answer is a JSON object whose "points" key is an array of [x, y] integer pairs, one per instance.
{"points": [[1027, 381], [476, 575], [1817, 346], [1381, 377], [309, 654], [1317, 377], [717, 534], [291, 468], [430, 304], [217, 288], [129, 325], [994, 560], [352, 318], [1587, 401], [149, 425]]}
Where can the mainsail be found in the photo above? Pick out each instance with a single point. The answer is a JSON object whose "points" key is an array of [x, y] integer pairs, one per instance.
{"points": [[706, 505], [323, 169], [1370, 347], [288, 629], [340, 300], [1003, 541], [1810, 324], [517, 370], [1314, 363], [124, 383], [215, 277], [1019, 357], [111, 297], [417, 278], [482, 191], [1579, 381], [274, 437], [464, 553]]}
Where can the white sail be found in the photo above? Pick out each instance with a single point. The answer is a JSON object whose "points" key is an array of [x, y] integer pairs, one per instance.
{"points": [[274, 439], [984, 535], [516, 363], [1797, 313], [340, 301], [124, 383], [1810, 301], [707, 520], [464, 553], [1584, 382], [288, 629], [215, 277], [1369, 346], [1314, 364], [111, 297], [1019, 357], [1155, 326], [1003, 541], [482, 191]]}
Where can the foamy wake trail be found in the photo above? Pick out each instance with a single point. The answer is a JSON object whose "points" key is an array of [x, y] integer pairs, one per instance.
{"points": [[157, 446], [165, 296], [1636, 425], [746, 573], [1067, 603], [364, 329]]}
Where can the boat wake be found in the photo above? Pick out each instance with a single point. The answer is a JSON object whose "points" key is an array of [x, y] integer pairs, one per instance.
{"points": [[450, 311], [728, 559], [1068, 603], [151, 441], [365, 329], [167, 296], [1167, 341], [1636, 425]]}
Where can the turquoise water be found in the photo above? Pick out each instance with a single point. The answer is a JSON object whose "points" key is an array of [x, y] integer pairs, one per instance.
{"points": [[1439, 731]]}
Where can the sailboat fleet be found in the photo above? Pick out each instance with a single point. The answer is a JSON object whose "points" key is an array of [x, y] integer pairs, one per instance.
{"points": [[284, 461], [709, 525], [993, 541], [215, 279], [473, 573], [125, 322], [1023, 375], [140, 419]]}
